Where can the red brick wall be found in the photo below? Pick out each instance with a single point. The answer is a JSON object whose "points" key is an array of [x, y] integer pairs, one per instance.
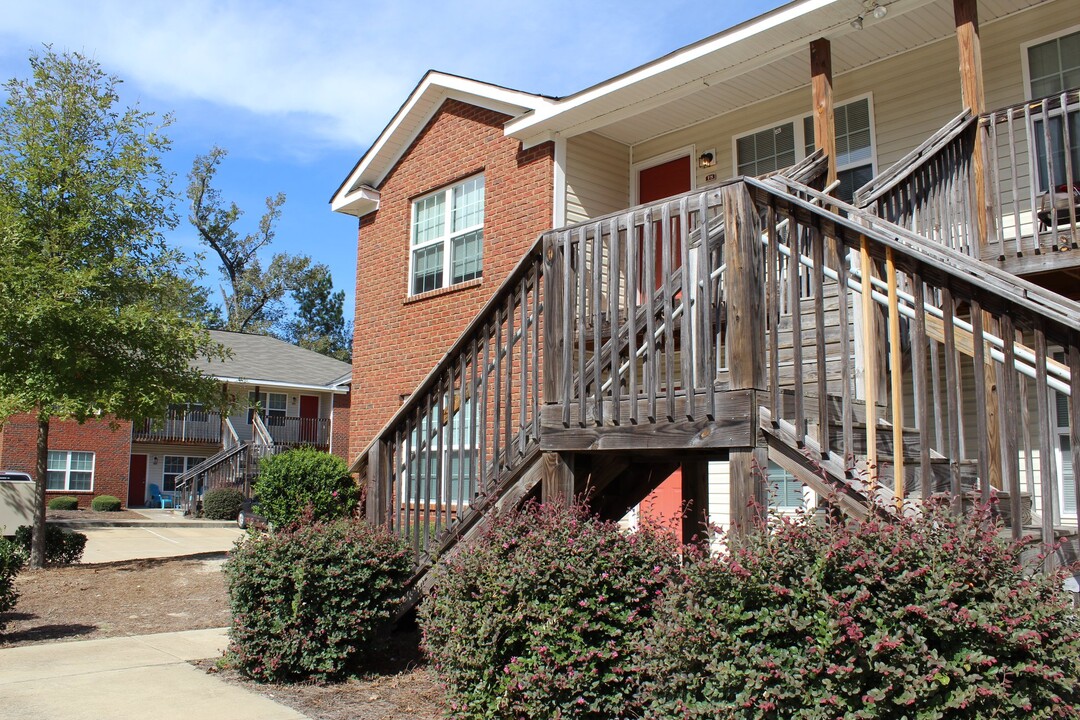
{"points": [[339, 442], [398, 340], [111, 448]]}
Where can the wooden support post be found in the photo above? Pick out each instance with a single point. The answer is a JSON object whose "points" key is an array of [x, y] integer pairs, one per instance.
{"points": [[896, 392], [376, 485], [966, 17], [824, 119], [746, 340], [870, 364], [748, 467], [557, 483], [695, 499], [554, 331]]}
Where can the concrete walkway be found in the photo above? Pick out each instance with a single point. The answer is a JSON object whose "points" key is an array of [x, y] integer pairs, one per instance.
{"points": [[111, 544], [136, 678]]}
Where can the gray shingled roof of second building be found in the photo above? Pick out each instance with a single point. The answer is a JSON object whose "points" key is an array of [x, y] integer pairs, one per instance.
{"points": [[261, 358]]}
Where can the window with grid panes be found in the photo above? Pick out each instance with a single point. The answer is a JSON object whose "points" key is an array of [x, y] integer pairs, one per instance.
{"points": [[1054, 67], [775, 148], [785, 492], [70, 470], [447, 236], [173, 466], [458, 459]]}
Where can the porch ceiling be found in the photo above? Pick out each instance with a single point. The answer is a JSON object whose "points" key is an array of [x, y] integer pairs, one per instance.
{"points": [[744, 65]]}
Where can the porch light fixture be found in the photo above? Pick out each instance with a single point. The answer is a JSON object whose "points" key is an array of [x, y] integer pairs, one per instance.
{"points": [[857, 23], [879, 11], [707, 159]]}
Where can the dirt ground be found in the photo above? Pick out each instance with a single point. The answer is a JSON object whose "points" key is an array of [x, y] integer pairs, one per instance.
{"points": [[93, 515], [140, 597]]}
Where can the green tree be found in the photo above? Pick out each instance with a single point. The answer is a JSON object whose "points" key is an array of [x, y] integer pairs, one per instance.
{"points": [[255, 297], [319, 324], [89, 324]]}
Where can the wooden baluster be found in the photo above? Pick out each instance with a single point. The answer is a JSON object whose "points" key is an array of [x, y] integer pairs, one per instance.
{"points": [[1008, 423], [523, 374], [1048, 483], [686, 342], [496, 398], [633, 390], [649, 289], [476, 453], [710, 325], [772, 307], [952, 382], [981, 419], [581, 307], [566, 332], [847, 370], [508, 412], [536, 389], [598, 321], [614, 332], [918, 362], [669, 313], [440, 480], [817, 249], [795, 288], [465, 401], [896, 399], [484, 425]]}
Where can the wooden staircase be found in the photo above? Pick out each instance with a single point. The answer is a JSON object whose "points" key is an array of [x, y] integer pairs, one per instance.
{"points": [[783, 326]]}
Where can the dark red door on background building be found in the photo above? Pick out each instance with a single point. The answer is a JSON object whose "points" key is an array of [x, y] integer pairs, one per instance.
{"points": [[664, 504], [309, 419], [137, 481]]}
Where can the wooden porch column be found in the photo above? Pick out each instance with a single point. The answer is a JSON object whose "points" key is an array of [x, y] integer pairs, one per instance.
{"points": [[966, 18], [695, 498], [375, 485], [746, 340], [557, 483], [824, 117]]}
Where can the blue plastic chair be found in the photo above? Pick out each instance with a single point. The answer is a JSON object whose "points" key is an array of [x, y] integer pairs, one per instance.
{"points": [[156, 497]]}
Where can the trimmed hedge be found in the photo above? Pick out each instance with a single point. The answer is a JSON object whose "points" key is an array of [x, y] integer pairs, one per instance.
{"points": [[540, 614], [62, 547], [64, 502], [294, 480], [11, 562], [222, 503], [928, 617], [307, 602], [105, 503]]}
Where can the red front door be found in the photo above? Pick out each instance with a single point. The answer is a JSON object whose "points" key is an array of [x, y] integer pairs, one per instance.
{"points": [[309, 419], [656, 183], [664, 504], [137, 481]]}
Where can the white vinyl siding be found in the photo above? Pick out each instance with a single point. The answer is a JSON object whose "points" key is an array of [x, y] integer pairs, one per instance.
{"points": [[597, 177], [70, 470], [447, 236]]}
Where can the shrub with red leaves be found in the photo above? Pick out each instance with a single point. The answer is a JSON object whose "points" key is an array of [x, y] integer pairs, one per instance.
{"points": [[540, 615], [926, 617]]}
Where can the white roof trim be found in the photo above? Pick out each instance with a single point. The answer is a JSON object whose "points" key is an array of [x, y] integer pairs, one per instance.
{"points": [[528, 126], [409, 121], [336, 389]]}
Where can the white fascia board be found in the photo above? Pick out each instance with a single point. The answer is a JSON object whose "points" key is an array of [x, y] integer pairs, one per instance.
{"points": [[528, 126], [412, 117], [359, 202], [336, 389]]}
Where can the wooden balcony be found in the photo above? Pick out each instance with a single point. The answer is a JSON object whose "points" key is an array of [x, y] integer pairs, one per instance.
{"points": [[1032, 194], [180, 426], [297, 431]]}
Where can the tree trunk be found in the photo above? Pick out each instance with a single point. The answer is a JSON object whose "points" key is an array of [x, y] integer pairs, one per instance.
{"points": [[37, 546]]}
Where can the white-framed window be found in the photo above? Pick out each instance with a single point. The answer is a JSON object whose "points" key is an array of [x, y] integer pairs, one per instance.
{"points": [[1063, 450], [447, 236], [1052, 66], [70, 470], [271, 406], [172, 467], [785, 492], [773, 148], [459, 460]]}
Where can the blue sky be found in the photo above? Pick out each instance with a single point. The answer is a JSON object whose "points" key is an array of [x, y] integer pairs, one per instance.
{"points": [[297, 91]]}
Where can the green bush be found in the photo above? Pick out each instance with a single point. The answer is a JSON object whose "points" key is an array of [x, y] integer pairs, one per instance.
{"points": [[222, 503], [928, 617], [293, 480], [65, 502], [105, 503], [11, 561], [62, 547], [307, 602], [538, 616]]}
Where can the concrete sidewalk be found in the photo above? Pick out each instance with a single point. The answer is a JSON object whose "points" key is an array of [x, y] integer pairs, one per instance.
{"points": [[146, 676], [111, 544]]}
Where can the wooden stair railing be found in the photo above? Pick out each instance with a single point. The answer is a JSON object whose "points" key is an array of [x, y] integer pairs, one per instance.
{"points": [[900, 289]]}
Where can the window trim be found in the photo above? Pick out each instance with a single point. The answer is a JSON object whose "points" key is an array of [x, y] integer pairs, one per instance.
{"points": [[67, 471], [800, 135], [447, 238], [1025, 62]]}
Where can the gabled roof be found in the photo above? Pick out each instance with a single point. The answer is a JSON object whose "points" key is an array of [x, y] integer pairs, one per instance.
{"points": [[265, 360], [358, 194]]}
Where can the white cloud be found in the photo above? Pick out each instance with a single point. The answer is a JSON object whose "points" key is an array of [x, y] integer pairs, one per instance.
{"points": [[340, 69]]}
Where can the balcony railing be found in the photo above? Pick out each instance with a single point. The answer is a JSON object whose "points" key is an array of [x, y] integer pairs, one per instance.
{"points": [[180, 426], [289, 431]]}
